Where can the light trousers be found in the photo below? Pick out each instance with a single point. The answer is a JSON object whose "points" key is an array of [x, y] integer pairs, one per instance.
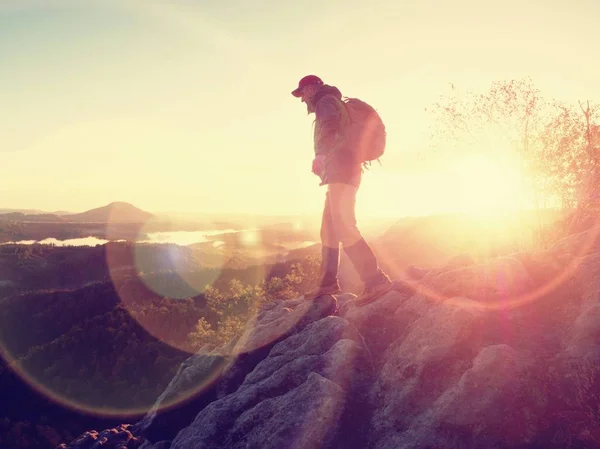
{"points": [[338, 224]]}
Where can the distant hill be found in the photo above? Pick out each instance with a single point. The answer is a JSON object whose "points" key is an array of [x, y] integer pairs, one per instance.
{"points": [[20, 216], [433, 240], [33, 211], [116, 212], [22, 211]]}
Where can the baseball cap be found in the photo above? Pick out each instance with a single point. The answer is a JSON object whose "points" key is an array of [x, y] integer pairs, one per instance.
{"points": [[306, 81]]}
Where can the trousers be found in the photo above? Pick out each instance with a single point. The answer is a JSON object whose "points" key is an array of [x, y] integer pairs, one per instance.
{"points": [[338, 224]]}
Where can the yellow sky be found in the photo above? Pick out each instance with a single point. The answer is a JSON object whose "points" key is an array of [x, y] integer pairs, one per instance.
{"points": [[185, 106]]}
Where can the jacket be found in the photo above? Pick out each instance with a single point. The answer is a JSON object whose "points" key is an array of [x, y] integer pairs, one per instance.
{"points": [[329, 138]]}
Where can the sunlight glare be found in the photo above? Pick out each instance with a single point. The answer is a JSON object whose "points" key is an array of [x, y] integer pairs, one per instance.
{"points": [[488, 186]]}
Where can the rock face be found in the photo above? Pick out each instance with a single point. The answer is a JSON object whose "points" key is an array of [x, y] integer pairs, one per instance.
{"points": [[501, 355], [300, 395]]}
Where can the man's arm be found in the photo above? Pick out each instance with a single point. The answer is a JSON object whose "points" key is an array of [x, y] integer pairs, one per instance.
{"points": [[328, 116]]}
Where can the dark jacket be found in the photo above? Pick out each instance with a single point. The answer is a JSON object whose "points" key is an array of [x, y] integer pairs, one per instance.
{"points": [[329, 138]]}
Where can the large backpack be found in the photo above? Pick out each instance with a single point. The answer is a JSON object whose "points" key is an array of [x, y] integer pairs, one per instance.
{"points": [[366, 134]]}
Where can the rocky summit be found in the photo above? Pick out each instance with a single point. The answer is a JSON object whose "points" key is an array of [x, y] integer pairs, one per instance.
{"points": [[504, 354]]}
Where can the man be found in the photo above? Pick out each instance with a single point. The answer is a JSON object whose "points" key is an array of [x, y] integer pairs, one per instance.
{"points": [[341, 171]]}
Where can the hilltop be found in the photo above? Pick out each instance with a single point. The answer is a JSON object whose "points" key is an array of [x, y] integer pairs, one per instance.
{"points": [[115, 212], [499, 354]]}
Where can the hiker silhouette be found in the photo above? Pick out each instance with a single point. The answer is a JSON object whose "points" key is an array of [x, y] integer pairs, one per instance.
{"points": [[340, 170]]}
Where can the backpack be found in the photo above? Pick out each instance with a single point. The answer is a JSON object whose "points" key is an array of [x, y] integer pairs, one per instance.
{"points": [[366, 134]]}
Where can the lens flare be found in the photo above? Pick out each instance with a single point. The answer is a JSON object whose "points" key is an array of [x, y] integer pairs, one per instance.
{"points": [[509, 301], [162, 270], [54, 380]]}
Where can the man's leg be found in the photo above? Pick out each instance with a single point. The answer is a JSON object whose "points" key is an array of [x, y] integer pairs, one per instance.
{"points": [[342, 198], [330, 256]]}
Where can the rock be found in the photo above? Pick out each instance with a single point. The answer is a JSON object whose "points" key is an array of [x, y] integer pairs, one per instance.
{"points": [[344, 302], [501, 355], [574, 374], [285, 318], [209, 375], [166, 444], [267, 329], [485, 408], [193, 386], [429, 359], [579, 244], [304, 389], [545, 266], [586, 270], [573, 378], [497, 280], [460, 261], [376, 322], [116, 438], [305, 417], [415, 273]]}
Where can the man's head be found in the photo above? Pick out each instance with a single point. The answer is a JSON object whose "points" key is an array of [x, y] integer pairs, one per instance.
{"points": [[306, 90]]}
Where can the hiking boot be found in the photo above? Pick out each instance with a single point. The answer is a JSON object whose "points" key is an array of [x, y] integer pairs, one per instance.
{"points": [[374, 290], [328, 271], [322, 290], [363, 258]]}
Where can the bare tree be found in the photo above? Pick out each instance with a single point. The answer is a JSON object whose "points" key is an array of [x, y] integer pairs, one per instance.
{"points": [[510, 116], [556, 145], [588, 198], [561, 158]]}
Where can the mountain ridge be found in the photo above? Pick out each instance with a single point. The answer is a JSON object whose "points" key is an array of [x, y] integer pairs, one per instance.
{"points": [[499, 354], [114, 212]]}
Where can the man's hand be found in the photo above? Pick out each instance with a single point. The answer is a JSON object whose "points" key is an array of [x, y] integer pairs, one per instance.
{"points": [[318, 165]]}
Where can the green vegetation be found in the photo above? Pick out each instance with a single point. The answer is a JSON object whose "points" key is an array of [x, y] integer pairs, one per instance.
{"points": [[111, 347], [228, 312]]}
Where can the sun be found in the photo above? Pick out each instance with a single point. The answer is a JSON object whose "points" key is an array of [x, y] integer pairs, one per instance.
{"points": [[489, 186], [479, 184]]}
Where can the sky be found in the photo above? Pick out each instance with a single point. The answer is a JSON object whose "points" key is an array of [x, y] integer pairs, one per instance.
{"points": [[185, 105]]}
